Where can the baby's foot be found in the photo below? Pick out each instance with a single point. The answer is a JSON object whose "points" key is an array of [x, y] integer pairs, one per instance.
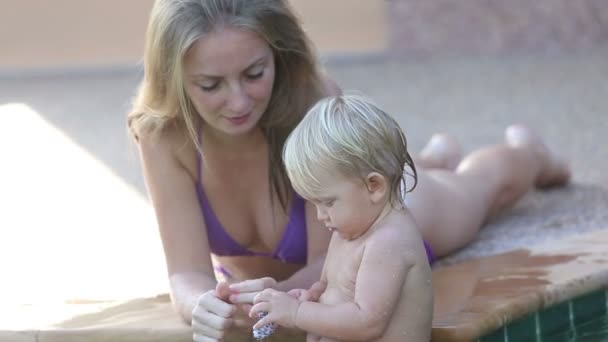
{"points": [[441, 152], [554, 171]]}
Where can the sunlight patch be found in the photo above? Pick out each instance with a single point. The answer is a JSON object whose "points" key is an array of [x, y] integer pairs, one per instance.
{"points": [[70, 229]]}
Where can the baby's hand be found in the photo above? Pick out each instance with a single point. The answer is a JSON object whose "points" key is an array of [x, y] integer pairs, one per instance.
{"points": [[316, 290], [311, 295], [245, 291], [300, 294], [281, 308]]}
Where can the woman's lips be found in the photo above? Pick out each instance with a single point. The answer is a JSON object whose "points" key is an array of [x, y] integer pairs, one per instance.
{"points": [[238, 120]]}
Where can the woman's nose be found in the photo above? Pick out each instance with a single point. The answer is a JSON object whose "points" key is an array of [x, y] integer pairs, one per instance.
{"points": [[238, 101]]}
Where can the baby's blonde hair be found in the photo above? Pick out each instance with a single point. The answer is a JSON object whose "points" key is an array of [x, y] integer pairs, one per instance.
{"points": [[350, 135]]}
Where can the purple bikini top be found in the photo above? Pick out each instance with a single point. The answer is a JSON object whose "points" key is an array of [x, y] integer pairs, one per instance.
{"points": [[291, 249]]}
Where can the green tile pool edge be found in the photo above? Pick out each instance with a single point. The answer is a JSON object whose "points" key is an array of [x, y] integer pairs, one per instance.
{"points": [[547, 324]]}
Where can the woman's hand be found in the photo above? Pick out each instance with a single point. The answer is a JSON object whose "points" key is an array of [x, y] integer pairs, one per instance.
{"points": [[212, 315], [245, 291]]}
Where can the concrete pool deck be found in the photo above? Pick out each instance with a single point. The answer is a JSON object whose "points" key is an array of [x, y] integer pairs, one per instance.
{"points": [[473, 298], [476, 297]]}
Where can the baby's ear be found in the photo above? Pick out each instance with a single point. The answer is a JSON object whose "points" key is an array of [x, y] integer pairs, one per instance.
{"points": [[377, 186]]}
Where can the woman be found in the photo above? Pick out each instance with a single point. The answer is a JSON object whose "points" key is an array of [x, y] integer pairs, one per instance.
{"points": [[225, 83]]}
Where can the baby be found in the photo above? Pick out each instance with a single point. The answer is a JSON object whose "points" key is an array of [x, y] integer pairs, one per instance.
{"points": [[348, 157]]}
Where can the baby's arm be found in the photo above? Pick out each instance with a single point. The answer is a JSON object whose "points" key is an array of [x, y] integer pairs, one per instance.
{"points": [[386, 257]]}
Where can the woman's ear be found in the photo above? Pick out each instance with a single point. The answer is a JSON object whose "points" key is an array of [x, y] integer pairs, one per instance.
{"points": [[377, 186]]}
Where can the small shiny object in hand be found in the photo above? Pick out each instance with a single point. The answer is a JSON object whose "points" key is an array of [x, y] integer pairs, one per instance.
{"points": [[265, 331]]}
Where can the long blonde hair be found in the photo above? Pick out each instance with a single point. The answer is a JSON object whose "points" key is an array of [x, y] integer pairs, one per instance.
{"points": [[175, 25], [348, 136]]}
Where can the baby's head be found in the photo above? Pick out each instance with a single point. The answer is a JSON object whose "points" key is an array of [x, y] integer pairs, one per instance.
{"points": [[347, 136]]}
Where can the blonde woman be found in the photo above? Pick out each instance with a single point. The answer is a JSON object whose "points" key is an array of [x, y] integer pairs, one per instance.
{"points": [[225, 83]]}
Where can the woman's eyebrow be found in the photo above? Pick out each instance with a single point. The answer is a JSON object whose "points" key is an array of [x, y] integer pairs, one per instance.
{"points": [[199, 76], [251, 65], [256, 63]]}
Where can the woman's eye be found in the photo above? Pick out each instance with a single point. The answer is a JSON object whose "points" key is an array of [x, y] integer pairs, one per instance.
{"points": [[255, 76], [211, 87]]}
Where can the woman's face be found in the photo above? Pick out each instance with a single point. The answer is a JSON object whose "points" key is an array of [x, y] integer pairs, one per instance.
{"points": [[228, 76]]}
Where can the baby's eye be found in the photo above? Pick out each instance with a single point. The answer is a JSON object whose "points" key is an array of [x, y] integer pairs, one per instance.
{"points": [[329, 203]]}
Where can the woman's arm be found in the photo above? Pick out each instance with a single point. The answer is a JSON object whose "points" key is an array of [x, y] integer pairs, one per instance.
{"points": [[172, 190]]}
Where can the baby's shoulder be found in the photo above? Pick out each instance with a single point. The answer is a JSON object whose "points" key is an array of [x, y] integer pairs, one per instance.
{"points": [[400, 227], [398, 234]]}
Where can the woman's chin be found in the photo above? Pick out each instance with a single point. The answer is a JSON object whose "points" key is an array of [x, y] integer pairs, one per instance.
{"points": [[241, 131]]}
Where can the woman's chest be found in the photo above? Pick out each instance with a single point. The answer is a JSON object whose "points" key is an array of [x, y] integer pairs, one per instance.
{"points": [[241, 201]]}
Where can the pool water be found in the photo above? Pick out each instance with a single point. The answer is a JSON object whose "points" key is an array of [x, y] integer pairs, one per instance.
{"points": [[583, 318]]}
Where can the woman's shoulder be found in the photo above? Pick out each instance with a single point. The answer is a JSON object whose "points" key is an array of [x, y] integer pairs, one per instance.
{"points": [[171, 146], [165, 140]]}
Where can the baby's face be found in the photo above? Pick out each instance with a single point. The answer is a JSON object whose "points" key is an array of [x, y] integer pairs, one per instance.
{"points": [[344, 206]]}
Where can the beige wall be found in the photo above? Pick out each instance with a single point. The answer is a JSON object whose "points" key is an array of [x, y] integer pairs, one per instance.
{"points": [[345, 26], [92, 33], [71, 33]]}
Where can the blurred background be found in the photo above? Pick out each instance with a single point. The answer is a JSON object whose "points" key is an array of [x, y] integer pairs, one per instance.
{"points": [[75, 222]]}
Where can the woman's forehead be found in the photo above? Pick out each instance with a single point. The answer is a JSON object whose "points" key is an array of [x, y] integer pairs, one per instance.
{"points": [[226, 51]]}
